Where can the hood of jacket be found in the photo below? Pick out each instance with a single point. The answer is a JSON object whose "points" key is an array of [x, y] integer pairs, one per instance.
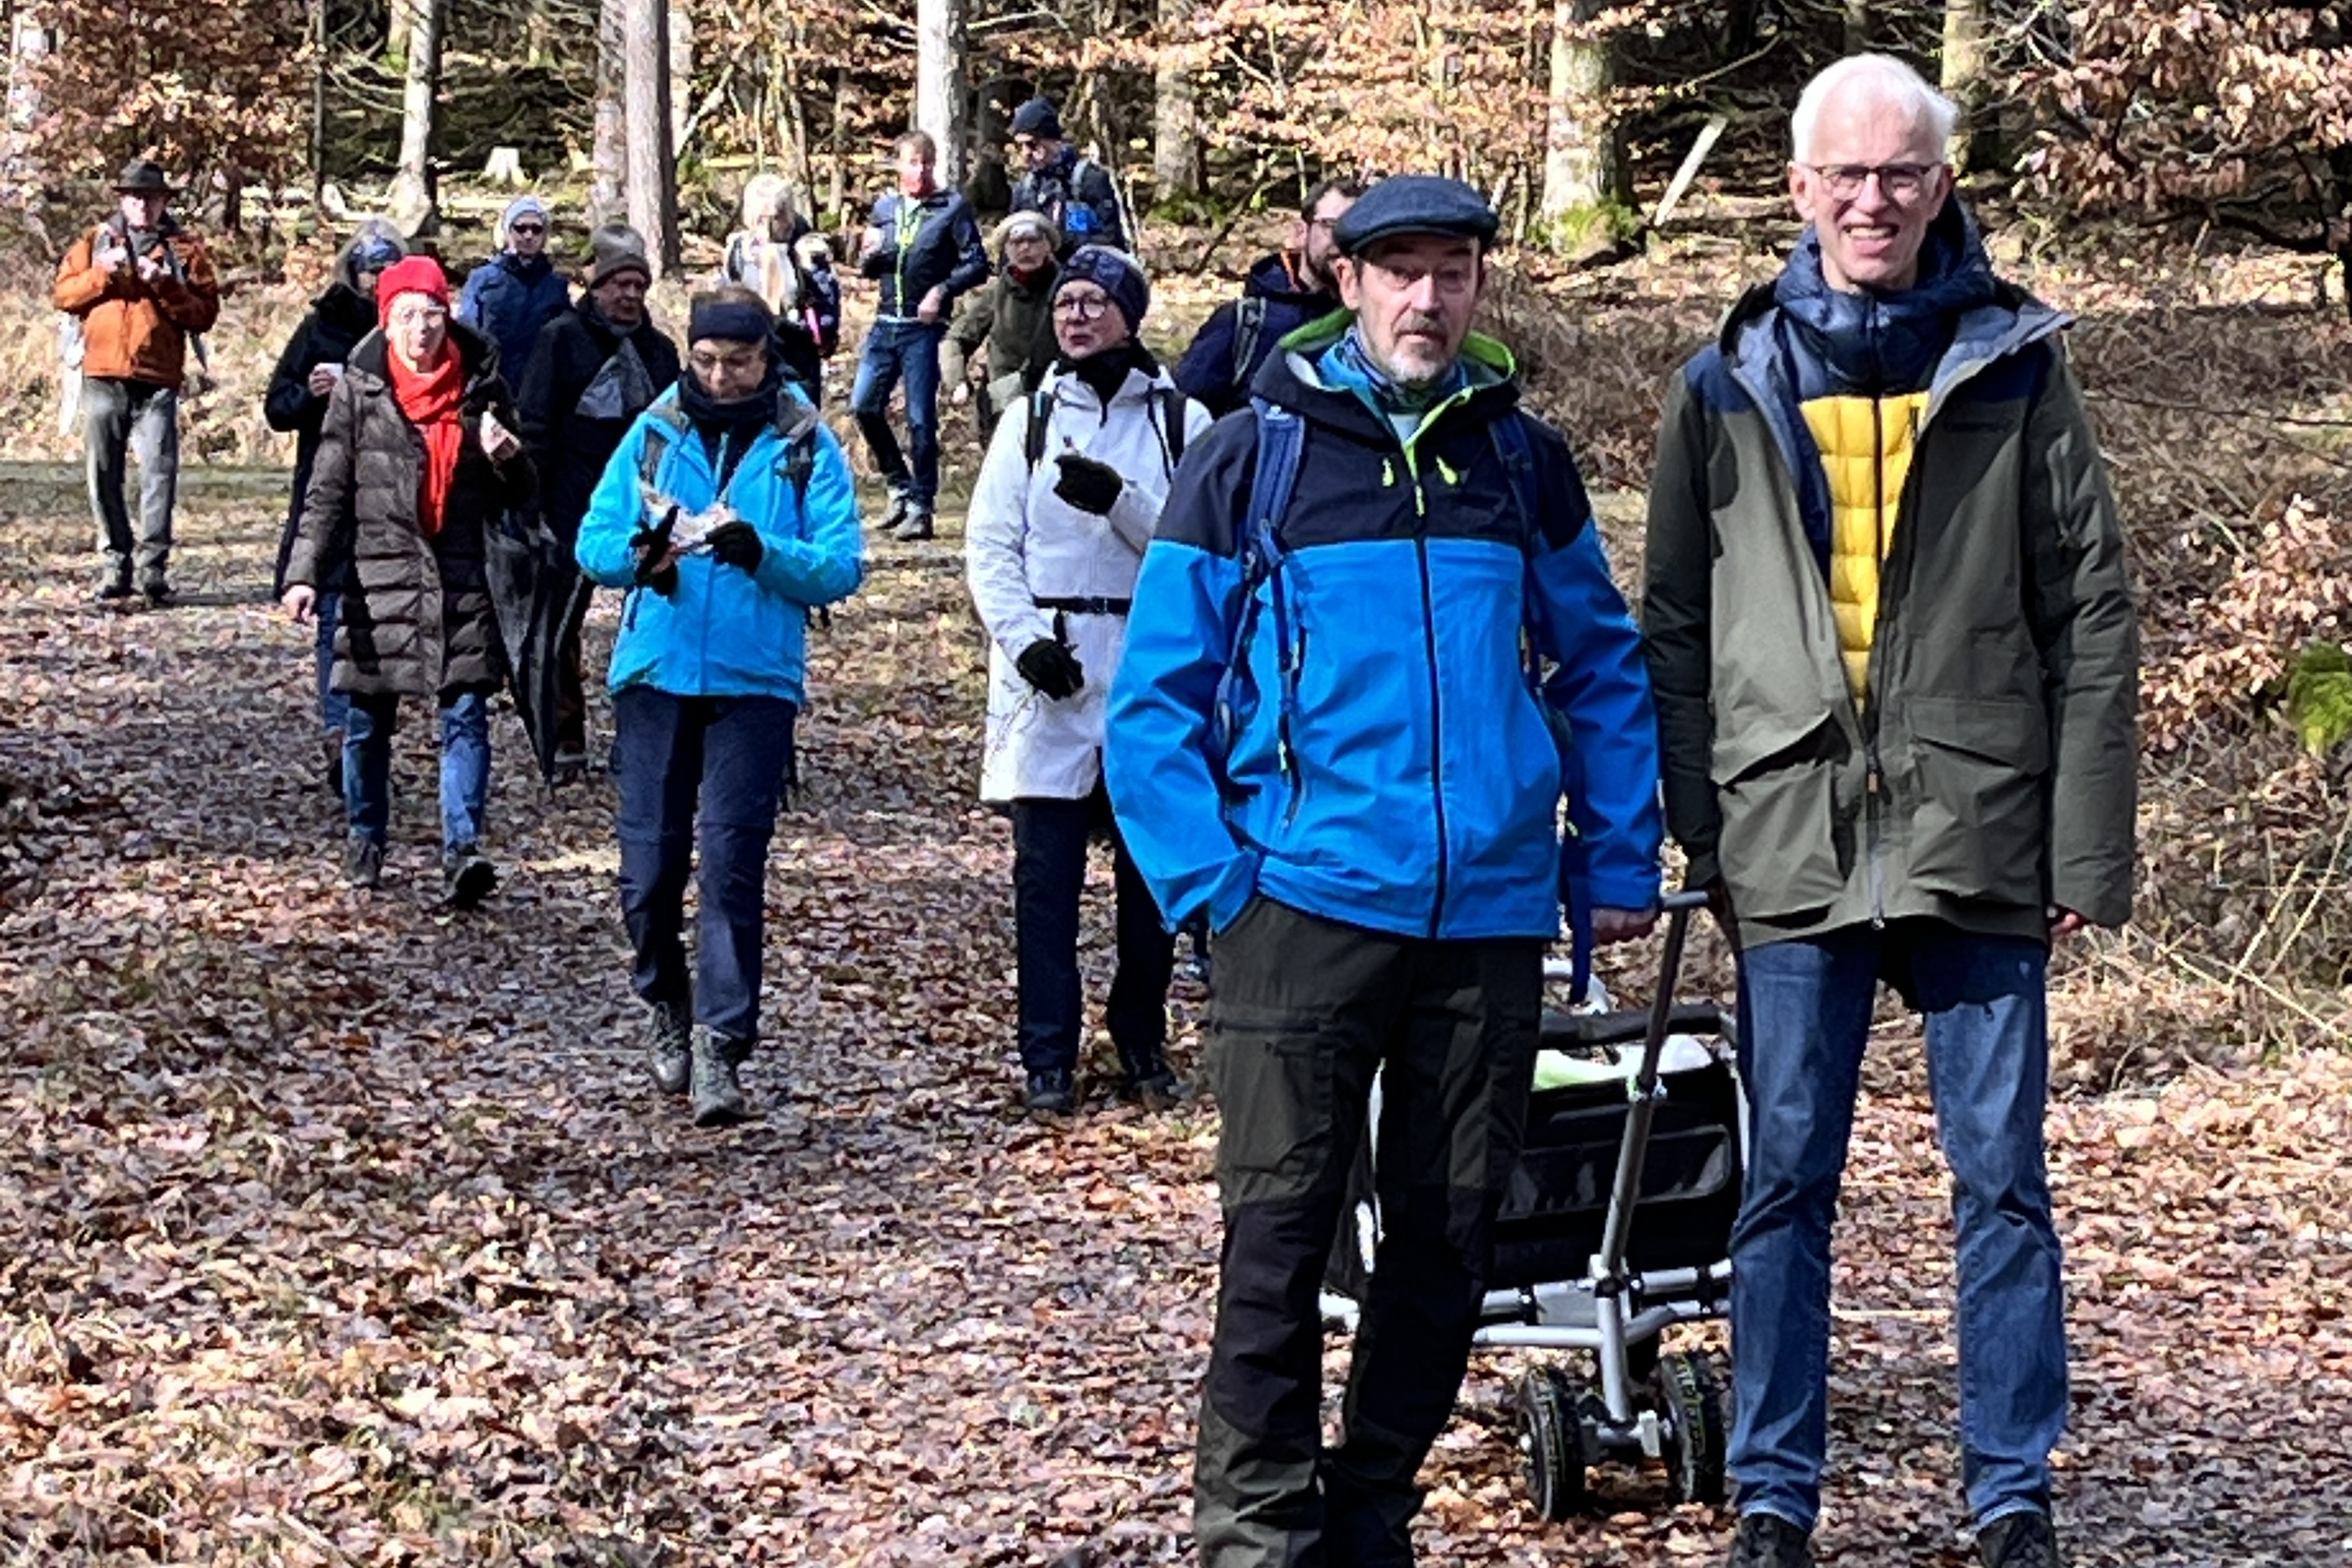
{"points": [[1279, 277]]}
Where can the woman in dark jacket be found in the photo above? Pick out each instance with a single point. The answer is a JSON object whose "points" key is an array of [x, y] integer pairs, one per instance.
{"points": [[296, 404], [417, 456]]}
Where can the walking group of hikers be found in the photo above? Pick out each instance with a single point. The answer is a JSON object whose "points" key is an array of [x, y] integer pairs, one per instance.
{"points": [[1326, 671]]}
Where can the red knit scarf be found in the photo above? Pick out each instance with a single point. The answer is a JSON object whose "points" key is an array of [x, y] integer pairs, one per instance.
{"points": [[430, 397]]}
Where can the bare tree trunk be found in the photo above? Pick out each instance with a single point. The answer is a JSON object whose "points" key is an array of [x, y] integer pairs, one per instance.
{"points": [[28, 45], [610, 160], [653, 194], [1176, 114], [941, 90], [416, 197], [1965, 80], [1857, 25], [681, 72], [317, 100], [1582, 169]]}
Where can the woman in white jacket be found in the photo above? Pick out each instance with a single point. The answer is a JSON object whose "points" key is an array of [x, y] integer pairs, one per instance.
{"points": [[1068, 497]]}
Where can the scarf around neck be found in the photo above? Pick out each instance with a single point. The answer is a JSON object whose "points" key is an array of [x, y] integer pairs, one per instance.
{"points": [[1388, 398], [735, 424], [431, 398], [1105, 373]]}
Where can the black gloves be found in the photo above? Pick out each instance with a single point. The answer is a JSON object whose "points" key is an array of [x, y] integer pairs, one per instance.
{"points": [[649, 546], [738, 544], [1051, 668], [1090, 486]]}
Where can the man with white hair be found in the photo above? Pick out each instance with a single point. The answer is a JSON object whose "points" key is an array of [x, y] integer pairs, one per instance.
{"points": [[1895, 662]]}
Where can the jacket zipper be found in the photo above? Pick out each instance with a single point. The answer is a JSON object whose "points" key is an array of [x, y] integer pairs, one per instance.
{"points": [[1874, 801]]}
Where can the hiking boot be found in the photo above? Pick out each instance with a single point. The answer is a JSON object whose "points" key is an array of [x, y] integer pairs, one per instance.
{"points": [[1152, 1083], [363, 862], [2023, 1540], [896, 514], [469, 875], [719, 1098], [113, 590], [158, 595], [917, 526], [1049, 1093], [568, 768], [1768, 1541], [669, 1047]]}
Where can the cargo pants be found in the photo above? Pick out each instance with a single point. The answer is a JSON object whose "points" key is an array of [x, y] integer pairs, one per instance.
{"points": [[1304, 1010]]}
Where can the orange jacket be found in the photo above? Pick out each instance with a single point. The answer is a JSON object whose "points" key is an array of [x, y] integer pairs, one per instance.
{"points": [[137, 329]]}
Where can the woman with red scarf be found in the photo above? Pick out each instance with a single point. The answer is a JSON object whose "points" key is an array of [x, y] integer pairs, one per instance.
{"points": [[417, 456]]}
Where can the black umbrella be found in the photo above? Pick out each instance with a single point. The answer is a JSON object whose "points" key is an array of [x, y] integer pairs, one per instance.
{"points": [[541, 598]]}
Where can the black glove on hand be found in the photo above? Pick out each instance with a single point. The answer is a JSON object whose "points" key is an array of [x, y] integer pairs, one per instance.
{"points": [[1090, 486], [1051, 668], [738, 544], [649, 546]]}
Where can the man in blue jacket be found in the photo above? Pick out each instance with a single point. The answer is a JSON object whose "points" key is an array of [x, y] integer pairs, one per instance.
{"points": [[513, 294], [1283, 292], [923, 246], [1329, 740]]}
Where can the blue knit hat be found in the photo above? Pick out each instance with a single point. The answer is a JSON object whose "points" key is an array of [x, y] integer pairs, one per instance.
{"points": [[1038, 117], [1116, 274]]}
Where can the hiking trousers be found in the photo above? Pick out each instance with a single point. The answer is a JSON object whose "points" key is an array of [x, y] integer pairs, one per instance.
{"points": [[1304, 1010], [122, 419]]}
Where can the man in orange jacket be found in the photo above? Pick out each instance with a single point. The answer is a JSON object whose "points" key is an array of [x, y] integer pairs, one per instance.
{"points": [[141, 286]]}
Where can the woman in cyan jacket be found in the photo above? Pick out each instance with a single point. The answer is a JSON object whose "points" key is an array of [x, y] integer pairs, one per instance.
{"points": [[728, 513], [1054, 542]]}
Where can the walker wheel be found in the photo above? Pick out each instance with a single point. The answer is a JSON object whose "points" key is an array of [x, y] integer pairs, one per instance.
{"points": [[1689, 1393], [1551, 1448]]}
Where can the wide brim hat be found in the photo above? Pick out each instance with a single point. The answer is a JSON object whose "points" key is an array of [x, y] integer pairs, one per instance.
{"points": [[143, 176]]}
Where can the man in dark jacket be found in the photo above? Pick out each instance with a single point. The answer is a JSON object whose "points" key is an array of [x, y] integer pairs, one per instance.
{"points": [[922, 246], [509, 298], [594, 370], [1075, 193], [1013, 315], [1282, 293], [1328, 740], [1896, 665], [142, 289]]}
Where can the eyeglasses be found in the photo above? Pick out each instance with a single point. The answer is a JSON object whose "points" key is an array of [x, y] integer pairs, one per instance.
{"points": [[742, 363], [1325, 223], [1081, 306], [407, 315], [1452, 277], [1901, 182]]}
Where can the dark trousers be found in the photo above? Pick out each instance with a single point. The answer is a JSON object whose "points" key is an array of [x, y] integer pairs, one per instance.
{"points": [[137, 420], [706, 769], [896, 350], [1302, 1012], [1049, 872]]}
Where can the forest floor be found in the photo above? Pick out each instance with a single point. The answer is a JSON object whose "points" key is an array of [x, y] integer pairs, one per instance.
{"points": [[338, 1228]]}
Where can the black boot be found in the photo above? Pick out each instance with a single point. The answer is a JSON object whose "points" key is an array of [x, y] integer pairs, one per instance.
{"points": [[719, 1098], [1150, 1082], [669, 1047], [1049, 1092]]}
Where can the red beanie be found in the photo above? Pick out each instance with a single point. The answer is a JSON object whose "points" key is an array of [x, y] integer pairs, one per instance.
{"points": [[411, 275]]}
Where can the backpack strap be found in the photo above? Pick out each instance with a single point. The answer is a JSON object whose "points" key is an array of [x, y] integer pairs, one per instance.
{"points": [[1041, 412], [1167, 410], [1281, 438], [796, 428], [668, 424], [1249, 325]]}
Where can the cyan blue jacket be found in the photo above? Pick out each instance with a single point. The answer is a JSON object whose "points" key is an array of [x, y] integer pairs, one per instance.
{"points": [[945, 251], [1418, 788], [1207, 374], [723, 632], [508, 299]]}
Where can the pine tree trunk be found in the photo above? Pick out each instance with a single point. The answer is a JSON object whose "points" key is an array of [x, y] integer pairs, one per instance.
{"points": [[416, 197], [1582, 164], [1176, 114], [610, 161], [1965, 81], [941, 83], [651, 191]]}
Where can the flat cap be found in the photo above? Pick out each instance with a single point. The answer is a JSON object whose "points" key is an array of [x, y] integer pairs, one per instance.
{"points": [[1416, 204]]}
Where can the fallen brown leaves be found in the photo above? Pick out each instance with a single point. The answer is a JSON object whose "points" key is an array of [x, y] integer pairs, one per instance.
{"points": [[338, 1230]]}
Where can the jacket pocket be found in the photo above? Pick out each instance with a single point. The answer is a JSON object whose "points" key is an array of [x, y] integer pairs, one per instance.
{"points": [[1982, 821], [1777, 786]]}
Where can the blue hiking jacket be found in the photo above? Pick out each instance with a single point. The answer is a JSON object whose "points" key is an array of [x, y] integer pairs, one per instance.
{"points": [[508, 299], [724, 632], [1418, 790]]}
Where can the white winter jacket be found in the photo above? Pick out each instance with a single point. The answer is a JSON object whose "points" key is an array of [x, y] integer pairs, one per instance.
{"points": [[1023, 544]]}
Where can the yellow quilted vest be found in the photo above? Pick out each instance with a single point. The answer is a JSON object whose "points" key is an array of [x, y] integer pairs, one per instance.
{"points": [[1866, 445]]}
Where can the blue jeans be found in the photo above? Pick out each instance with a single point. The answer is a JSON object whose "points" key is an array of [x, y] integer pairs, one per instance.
{"points": [[895, 350], [706, 768], [465, 764], [1804, 1014], [334, 708]]}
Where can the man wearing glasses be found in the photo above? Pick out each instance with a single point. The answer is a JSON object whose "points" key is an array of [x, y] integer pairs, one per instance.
{"points": [[1075, 193], [1283, 292], [1341, 734], [1896, 665], [513, 294]]}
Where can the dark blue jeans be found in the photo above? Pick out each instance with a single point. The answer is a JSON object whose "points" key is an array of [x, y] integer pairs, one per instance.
{"points": [[702, 768], [465, 764], [1049, 872], [334, 708], [896, 350], [1804, 1011]]}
